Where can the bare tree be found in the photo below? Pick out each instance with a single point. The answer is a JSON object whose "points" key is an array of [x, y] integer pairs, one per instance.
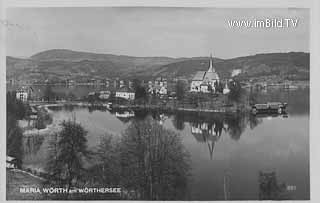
{"points": [[154, 162], [68, 151]]}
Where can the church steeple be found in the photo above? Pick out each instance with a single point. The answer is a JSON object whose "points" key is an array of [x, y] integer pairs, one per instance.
{"points": [[211, 68]]}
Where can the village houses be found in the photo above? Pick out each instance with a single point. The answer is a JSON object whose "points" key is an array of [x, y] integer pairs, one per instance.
{"points": [[125, 93]]}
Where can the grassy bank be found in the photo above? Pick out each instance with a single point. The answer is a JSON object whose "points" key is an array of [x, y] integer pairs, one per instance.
{"points": [[18, 179]]}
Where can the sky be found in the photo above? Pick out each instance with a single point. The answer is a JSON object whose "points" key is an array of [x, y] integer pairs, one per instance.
{"points": [[143, 31]]}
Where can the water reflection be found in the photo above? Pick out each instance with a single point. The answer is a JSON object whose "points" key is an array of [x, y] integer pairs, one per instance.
{"points": [[178, 121], [241, 144], [208, 133], [205, 125], [298, 100], [206, 128], [236, 126]]}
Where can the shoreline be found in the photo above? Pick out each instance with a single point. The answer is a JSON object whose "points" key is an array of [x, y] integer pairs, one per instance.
{"points": [[231, 109]]}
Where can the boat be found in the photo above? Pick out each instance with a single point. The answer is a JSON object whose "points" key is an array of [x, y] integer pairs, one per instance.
{"points": [[125, 114], [269, 107], [291, 87], [107, 105]]}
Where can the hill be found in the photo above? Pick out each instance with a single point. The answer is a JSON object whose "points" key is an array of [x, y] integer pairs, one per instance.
{"points": [[76, 56], [59, 64], [292, 63]]}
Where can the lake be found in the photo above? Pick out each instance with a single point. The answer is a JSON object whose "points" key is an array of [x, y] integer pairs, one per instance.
{"points": [[227, 152]]}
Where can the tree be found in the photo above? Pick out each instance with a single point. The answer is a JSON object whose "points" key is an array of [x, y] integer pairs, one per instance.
{"points": [[66, 166], [49, 95], [140, 91], [93, 97], [14, 139], [178, 121], [39, 123], [180, 90], [16, 107], [43, 119], [16, 110], [154, 163], [235, 91], [253, 95], [210, 88], [107, 169], [236, 126], [269, 187], [218, 87], [71, 96]]}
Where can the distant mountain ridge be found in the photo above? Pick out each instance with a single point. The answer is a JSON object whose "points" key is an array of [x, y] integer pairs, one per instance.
{"points": [[255, 65], [76, 56], [60, 54], [58, 64]]}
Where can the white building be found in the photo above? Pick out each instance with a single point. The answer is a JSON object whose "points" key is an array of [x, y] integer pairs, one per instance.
{"points": [[121, 83], [22, 95], [104, 94], [163, 90], [226, 89], [159, 87], [203, 80], [11, 162], [125, 93]]}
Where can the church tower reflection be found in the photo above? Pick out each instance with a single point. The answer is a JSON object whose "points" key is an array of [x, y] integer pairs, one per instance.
{"points": [[207, 132]]}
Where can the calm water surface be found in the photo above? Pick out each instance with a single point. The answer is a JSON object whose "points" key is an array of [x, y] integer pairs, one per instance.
{"points": [[227, 152]]}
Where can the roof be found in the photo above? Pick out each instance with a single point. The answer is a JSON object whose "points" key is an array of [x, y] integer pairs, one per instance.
{"points": [[105, 92], [161, 79], [125, 89], [261, 106], [21, 91], [199, 76], [10, 158], [211, 76], [204, 136]]}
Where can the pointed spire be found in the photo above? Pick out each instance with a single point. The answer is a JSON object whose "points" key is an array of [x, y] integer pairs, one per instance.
{"points": [[211, 69]]}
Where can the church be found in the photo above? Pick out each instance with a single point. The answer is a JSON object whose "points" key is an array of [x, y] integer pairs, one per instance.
{"points": [[204, 81]]}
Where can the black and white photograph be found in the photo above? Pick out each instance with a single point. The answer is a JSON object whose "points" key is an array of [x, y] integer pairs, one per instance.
{"points": [[157, 103]]}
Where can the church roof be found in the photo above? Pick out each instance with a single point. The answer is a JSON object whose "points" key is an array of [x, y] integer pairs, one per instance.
{"points": [[125, 89], [199, 76], [211, 76], [204, 136]]}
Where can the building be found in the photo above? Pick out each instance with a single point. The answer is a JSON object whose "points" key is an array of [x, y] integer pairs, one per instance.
{"points": [[22, 95], [162, 82], [11, 162], [70, 83], [160, 86], [107, 83], [125, 93], [121, 82], [226, 89], [130, 84], [163, 90], [104, 94], [116, 83], [11, 81], [204, 81], [91, 94]]}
